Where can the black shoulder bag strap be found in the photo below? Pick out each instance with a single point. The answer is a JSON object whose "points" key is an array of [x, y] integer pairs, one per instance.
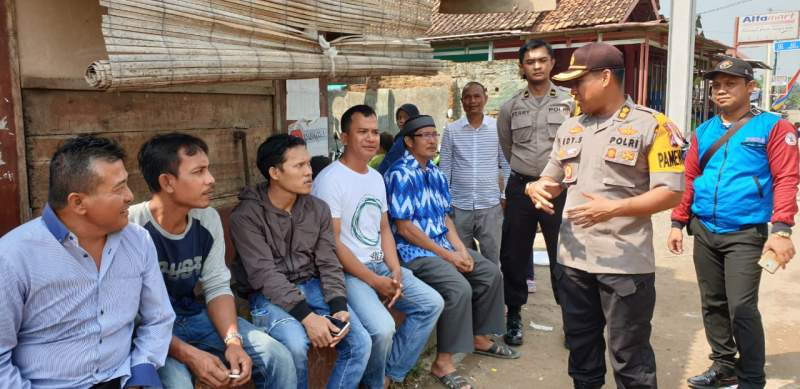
{"points": [[721, 141]]}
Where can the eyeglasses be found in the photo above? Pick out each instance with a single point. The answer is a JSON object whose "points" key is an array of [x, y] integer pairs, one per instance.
{"points": [[427, 135]]}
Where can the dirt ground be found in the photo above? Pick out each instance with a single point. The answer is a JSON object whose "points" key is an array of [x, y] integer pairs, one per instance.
{"points": [[678, 337]]}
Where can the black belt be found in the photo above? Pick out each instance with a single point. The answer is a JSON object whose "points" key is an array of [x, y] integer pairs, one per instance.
{"points": [[523, 177], [116, 383]]}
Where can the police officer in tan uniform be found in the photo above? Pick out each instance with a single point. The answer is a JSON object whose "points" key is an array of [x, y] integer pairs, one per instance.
{"points": [[526, 127], [621, 163]]}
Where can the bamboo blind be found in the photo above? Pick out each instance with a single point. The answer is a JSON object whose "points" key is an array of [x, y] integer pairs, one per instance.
{"points": [[153, 43]]}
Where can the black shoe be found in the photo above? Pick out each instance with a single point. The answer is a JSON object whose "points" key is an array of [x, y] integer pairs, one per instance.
{"points": [[513, 336], [714, 377]]}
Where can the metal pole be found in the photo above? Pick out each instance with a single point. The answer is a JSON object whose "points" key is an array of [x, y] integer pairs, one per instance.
{"points": [[766, 89], [680, 59]]}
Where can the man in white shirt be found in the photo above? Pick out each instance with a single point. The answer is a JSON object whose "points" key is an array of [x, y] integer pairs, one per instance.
{"points": [[365, 246]]}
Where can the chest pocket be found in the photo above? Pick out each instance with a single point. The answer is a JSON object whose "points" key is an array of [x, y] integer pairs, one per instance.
{"points": [[621, 155], [521, 125], [554, 120], [569, 155]]}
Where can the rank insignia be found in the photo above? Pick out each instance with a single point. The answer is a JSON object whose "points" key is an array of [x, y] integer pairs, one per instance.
{"points": [[568, 172], [526, 94], [628, 155], [623, 113], [576, 130], [628, 131], [552, 93], [611, 153]]}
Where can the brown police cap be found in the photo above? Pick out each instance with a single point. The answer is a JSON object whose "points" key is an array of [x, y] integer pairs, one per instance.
{"points": [[733, 66], [594, 56]]}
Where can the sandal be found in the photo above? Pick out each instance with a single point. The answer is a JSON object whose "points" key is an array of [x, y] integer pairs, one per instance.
{"points": [[501, 351], [453, 381]]}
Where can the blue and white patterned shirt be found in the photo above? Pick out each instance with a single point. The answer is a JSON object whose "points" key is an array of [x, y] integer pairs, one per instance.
{"points": [[421, 196], [64, 324], [472, 160]]}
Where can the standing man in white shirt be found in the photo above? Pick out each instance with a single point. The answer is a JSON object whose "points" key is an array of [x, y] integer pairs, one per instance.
{"points": [[471, 160]]}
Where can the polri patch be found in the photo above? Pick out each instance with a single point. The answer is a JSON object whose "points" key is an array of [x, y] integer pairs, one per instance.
{"points": [[791, 139]]}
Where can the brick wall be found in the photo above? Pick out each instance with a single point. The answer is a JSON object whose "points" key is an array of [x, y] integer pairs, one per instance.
{"points": [[434, 95]]}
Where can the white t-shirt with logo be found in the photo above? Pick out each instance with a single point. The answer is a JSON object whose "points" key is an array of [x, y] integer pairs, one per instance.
{"points": [[359, 201]]}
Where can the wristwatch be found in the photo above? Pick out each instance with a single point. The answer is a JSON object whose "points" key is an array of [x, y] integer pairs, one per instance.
{"points": [[783, 234], [232, 336]]}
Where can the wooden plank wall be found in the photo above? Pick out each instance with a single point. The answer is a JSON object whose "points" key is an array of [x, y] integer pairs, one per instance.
{"points": [[133, 117]]}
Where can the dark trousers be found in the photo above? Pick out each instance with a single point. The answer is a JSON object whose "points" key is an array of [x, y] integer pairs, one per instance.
{"points": [[624, 304], [729, 276], [473, 302], [519, 230], [112, 384]]}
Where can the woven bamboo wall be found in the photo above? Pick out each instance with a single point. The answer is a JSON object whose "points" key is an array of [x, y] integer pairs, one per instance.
{"points": [[153, 43]]}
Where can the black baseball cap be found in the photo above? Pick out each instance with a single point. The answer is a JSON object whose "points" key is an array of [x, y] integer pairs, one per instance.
{"points": [[594, 56], [733, 66]]}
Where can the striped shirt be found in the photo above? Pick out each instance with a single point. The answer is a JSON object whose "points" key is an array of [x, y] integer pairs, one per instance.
{"points": [[471, 160], [64, 324]]}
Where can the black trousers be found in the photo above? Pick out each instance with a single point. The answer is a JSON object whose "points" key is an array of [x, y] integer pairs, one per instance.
{"points": [[519, 230], [623, 303], [113, 384], [729, 276]]}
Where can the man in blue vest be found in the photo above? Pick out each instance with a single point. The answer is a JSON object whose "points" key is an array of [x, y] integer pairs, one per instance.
{"points": [[741, 173]]}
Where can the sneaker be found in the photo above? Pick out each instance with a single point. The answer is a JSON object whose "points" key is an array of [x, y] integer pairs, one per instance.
{"points": [[514, 335], [531, 286]]}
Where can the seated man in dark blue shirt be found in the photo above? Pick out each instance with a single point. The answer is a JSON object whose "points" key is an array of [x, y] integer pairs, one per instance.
{"points": [[191, 251]]}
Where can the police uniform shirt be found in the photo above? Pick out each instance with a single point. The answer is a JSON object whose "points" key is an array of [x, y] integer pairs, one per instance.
{"points": [[635, 150], [526, 127]]}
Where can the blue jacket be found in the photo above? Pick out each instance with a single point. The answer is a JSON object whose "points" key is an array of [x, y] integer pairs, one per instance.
{"points": [[735, 189]]}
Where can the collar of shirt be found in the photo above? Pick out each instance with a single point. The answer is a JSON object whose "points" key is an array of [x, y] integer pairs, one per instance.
{"points": [[411, 162], [54, 224], [464, 123]]}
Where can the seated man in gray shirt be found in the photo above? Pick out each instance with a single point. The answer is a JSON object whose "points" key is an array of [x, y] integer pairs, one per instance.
{"points": [[191, 250]]}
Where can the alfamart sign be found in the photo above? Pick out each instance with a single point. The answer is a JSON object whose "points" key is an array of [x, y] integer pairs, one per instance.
{"points": [[769, 27]]}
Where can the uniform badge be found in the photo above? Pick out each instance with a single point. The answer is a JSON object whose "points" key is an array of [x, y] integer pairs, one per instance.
{"points": [[791, 139], [611, 153], [526, 94], [568, 172], [562, 153], [623, 113], [725, 64], [572, 152], [676, 136], [628, 131], [576, 130], [552, 93], [628, 155]]}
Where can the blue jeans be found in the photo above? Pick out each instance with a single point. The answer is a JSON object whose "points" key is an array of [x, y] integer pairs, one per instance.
{"points": [[352, 351], [272, 363], [394, 353]]}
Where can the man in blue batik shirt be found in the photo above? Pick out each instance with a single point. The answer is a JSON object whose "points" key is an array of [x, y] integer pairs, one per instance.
{"points": [[74, 280], [471, 285]]}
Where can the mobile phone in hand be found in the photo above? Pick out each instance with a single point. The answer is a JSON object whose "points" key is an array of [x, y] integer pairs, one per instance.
{"points": [[342, 325], [768, 262]]}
